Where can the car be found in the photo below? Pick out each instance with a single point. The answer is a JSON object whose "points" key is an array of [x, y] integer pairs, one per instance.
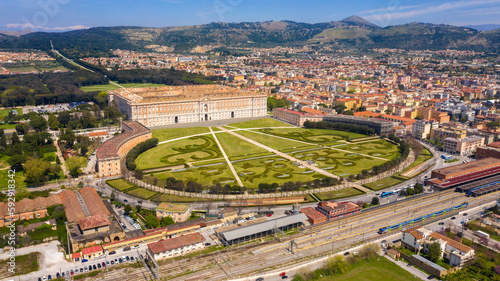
{"points": [[259, 279], [346, 253], [39, 278], [81, 269], [112, 262], [284, 277], [140, 202], [103, 264], [107, 263], [410, 264], [464, 214], [430, 277], [44, 278], [86, 268], [126, 249], [112, 253], [141, 257], [116, 260], [84, 260], [208, 244], [441, 223], [125, 200], [94, 267], [99, 265], [282, 274], [120, 260], [49, 277], [268, 215], [384, 241], [58, 275], [72, 272], [453, 218]]}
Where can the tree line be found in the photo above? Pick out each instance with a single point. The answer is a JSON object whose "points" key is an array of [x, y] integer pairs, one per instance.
{"points": [[138, 149], [339, 126]]}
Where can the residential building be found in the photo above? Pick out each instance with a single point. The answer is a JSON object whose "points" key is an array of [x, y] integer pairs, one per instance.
{"points": [[465, 146], [23, 230], [491, 150], [443, 133], [27, 209], [422, 128], [419, 239], [178, 212], [351, 103]]}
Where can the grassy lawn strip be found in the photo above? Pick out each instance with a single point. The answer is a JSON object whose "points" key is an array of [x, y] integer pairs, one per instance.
{"points": [[109, 87], [276, 143], [383, 183], [337, 194], [24, 265], [142, 193], [169, 134], [236, 147], [265, 122], [120, 184], [379, 269]]}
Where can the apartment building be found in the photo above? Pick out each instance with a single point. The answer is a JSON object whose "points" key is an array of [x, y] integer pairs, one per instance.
{"points": [[464, 146]]}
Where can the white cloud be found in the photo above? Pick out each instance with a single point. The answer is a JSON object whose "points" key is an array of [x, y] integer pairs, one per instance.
{"points": [[38, 27], [390, 8], [383, 17]]}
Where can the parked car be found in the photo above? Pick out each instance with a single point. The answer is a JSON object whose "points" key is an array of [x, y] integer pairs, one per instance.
{"points": [[103, 264], [268, 215], [112, 253], [132, 259], [94, 267], [112, 262], [72, 272], [107, 263], [86, 268], [49, 277], [453, 218], [346, 253], [259, 279], [98, 265], [58, 275], [284, 277], [120, 260], [208, 244], [441, 223], [81, 269]]}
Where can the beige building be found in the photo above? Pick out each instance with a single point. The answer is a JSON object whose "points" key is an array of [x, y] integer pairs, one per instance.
{"points": [[178, 212], [465, 146], [184, 104], [113, 150]]}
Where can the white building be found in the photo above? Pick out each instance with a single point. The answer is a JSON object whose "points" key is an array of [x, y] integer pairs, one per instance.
{"points": [[420, 238], [422, 128], [176, 246]]}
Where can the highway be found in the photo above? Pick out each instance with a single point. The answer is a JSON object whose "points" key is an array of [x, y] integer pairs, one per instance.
{"points": [[255, 259]]}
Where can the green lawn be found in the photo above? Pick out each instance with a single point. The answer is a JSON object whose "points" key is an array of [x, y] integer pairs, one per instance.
{"points": [[142, 193], [270, 170], [209, 175], [342, 193], [384, 183], [236, 147], [21, 69], [379, 269], [7, 126], [260, 123], [162, 197], [109, 87], [179, 152], [169, 134], [5, 111], [120, 184], [19, 177], [319, 136], [377, 148], [339, 163], [276, 143]]}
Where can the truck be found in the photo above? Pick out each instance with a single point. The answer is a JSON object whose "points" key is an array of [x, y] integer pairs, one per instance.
{"points": [[482, 234]]}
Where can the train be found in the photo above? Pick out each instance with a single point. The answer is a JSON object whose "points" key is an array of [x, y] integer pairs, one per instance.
{"points": [[422, 218]]}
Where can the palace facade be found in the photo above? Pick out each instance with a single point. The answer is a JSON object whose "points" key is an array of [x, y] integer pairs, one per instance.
{"points": [[158, 106]]}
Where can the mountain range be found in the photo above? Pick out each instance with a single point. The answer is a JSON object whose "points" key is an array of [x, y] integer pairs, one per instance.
{"points": [[353, 32]]}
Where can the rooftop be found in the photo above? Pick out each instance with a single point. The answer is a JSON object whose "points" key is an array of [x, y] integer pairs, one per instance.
{"points": [[311, 213], [93, 222], [468, 166], [181, 93], [90, 250], [172, 207], [175, 243], [109, 149]]}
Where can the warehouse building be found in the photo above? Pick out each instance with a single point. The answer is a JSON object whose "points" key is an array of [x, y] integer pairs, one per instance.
{"points": [[258, 230]]}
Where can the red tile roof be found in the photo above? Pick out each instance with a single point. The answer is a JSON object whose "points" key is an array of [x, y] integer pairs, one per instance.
{"points": [[93, 201], [72, 207], [90, 250], [312, 214], [93, 222], [175, 243]]}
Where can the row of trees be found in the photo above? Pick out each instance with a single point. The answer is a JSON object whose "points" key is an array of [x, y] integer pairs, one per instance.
{"points": [[138, 149], [339, 126], [295, 186]]}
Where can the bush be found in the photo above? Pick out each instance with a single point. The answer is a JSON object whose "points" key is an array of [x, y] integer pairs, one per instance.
{"points": [[138, 149]]}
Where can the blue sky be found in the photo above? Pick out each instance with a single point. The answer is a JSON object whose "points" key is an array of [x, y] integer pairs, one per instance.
{"points": [[58, 15]]}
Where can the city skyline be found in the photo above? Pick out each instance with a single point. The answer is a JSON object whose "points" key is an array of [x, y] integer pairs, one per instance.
{"points": [[63, 15]]}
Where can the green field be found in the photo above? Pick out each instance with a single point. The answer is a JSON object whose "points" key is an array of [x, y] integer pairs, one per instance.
{"points": [[276, 143], [318, 136], [120, 184], [5, 111], [179, 152], [18, 176], [142, 193], [379, 269], [384, 183], [207, 175], [377, 148], [236, 147], [169, 134], [109, 87], [270, 170], [259, 123], [336, 194]]}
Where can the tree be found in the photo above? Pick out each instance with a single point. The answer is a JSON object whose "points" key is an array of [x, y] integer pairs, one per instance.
{"points": [[434, 252], [493, 125], [15, 138], [419, 188], [64, 118], [127, 209], [75, 164], [337, 264], [3, 140], [152, 221], [39, 124], [16, 161], [167, 220], [375, 201], [84, 150], [35, 170]]}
